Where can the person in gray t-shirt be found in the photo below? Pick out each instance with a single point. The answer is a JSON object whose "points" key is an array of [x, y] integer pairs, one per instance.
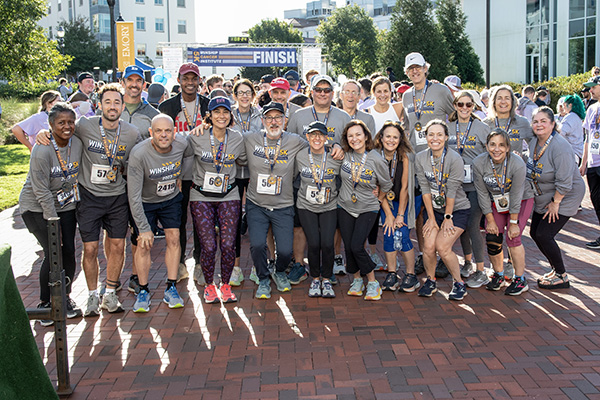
{"points": [[350, 96], [153, 191]]}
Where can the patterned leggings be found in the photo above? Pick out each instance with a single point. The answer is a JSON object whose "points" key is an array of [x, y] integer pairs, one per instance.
{"points": [[206, 216]]}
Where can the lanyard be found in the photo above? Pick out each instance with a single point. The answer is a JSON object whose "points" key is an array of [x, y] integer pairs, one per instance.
{"points": [[418, 110], [64, 166], [393, 164], [461, 140], [502, 185], [537, 156], [314, 112], [356, 170], [110, 151], [438, 174], [190, 122], [507, 125], [266, 149], [244, 124], [218, 155], [313, 168]]}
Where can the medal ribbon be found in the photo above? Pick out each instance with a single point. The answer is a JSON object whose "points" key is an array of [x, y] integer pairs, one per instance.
{"points": [[418, 110], [439, 174], [537, 156], [244, 124], [266, 149], [461, 140], [502, 185], [356, 170], [110, 152], [313, 168], [190, 122], [64, 166], [218, 155], [393, 163], [507, 125], [314, 112]]}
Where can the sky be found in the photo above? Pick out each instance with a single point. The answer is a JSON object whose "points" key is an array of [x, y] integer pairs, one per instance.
{"points": [[216, 20]]}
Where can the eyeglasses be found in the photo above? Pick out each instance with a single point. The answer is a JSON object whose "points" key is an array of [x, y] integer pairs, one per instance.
{"points": [[322, 90], [278, 118], [460, 104], [246, 93], [229, 86], [350, 92]]}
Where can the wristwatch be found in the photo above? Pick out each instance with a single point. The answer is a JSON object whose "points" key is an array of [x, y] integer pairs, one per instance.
{"points": [[447, 216], [514, 221]]}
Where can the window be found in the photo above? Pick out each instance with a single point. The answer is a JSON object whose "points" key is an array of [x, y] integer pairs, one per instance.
{"points": [[158, 2], [582, 35], [140, 23], [159, 25], [141, 50], [101, 23], [50, 32], [49, 7], [540, 37], [80, 3], [139, 1], [181, 3], [59, 5], [98, 3], [181, 26], [159, 52]]}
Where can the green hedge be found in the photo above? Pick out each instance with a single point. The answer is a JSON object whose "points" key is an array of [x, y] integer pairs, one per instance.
{"points": [[26, 91]]}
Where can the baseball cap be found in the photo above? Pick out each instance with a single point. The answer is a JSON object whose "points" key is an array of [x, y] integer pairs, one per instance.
{"points": [[320, 78], [219, 101], [292, 75], [402, 88], [317, 126], [414, 59], [189, 67], [453, 82], [592, 82], [155, 93], [477, 99], [133, 70], [84, 75], [268, 78], [273, 106], [280, 83]]}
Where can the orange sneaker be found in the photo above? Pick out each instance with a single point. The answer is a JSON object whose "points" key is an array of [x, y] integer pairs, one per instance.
{"points": [[210, 294], [226, 294]]}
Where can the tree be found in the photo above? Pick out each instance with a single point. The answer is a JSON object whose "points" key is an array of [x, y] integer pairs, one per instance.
{"points": [[413, 29], [452, 22], [351, 40], [270, 31], [25, 52], [83, 46]]}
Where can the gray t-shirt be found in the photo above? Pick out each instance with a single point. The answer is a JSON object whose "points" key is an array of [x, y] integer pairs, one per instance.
{"points": [[244, 123], [374, 173], [487, 185], [94, 156], [453, 173], [332, 170], [519, 130], [438, 105], [235, 152], [336, 122], [151, 177], [260, 191], [572, 130], [556, 170], [45, 178], [367, 119], [472, 145], [141, 117]]}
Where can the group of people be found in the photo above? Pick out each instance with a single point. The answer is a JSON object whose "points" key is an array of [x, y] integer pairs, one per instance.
{"points": [[302, 180]]}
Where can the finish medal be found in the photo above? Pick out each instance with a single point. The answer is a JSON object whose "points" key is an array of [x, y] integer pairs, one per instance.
{"points": [[418, 127], [440, 201], [67, 187], [272, 180], [353, 198], [503, 202], [218, 181], [390, 195], [111, 175]]}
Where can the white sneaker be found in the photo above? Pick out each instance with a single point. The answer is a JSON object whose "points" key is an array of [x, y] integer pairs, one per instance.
{"points": [[199, 275], [338, 265], [378, 263], [254, 276], [237, 277], [111, 303]]}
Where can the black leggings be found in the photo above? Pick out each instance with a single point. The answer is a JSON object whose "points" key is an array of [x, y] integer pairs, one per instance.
{"points": [[319, 230], [593, 178], [354, 236], [186, 186], [38, 226], [374, 231], [543, 234], [242, 185]]}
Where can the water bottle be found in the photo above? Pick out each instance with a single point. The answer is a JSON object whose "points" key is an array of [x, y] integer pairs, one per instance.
{"points": [[397, 240]]}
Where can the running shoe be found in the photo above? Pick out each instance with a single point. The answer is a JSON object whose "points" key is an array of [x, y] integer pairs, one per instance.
{"points": [[373, 291], [509, 271], [391, 282], [357, 287], [226, 294], [271, 266], [182, 272], [142, 302], [379, 266], [458, 292], [428, 289], [134, 284], [237, 276], [210, 294], [466, 269], [199, 275], [93, 306], [172, 298], [333, 279], [282, 282], [264, 289], [327, 289], [410, 283], [111, 303], [419, 267], [297, 274], [517, 286], [556, 281], [315, 288], [338, 265], [72, 310], [477, 280], [45, 305], [595, 245], [496, 282], [441, 271], [254, 276]]}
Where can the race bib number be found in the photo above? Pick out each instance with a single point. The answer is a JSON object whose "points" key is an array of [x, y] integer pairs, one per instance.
{"points": [[316, 196], [101, 174], [65, 198], [595, 144], [215, 183], [502, 202], [265, 184], [468, 178], [165, 188], [421, 137]]}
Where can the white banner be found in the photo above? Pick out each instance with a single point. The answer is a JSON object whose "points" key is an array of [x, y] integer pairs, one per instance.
{"points": [[172, 60], [311, 59]]}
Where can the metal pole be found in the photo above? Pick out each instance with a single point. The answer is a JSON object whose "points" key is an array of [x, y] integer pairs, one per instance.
{"points": [[487, 44], [113, 44]]}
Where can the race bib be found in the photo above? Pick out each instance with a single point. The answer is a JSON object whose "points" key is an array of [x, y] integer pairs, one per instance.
{"points": [[316, 196], [502, 202], [215, 183], [266, 184], [468, 178], [65, 198], [595, 144], [102, 174], [165, 188], [421, 137]]}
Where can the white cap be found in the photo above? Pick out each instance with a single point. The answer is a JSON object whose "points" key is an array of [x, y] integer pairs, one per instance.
{"points": [[320, 78], [414, 59], [477, 99], [453, 82]]}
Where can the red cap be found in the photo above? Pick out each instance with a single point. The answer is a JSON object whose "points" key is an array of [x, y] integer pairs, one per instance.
{"points": [[189, 67], [402, 88], [280, 83]]}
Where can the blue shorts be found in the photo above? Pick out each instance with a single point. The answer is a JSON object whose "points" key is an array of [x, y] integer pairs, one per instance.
{"points": [[167, 212], [459, 218], [388, 240], [418, 205]]}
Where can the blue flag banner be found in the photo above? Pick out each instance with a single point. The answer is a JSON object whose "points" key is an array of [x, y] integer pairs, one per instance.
{"points": [[243, 56]]}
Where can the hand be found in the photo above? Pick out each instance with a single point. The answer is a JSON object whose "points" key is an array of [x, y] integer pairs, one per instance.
{"points": [[178, 183], [552, 212], [492, 228], [399, 222], [145, 240], [199, 130], [376, 191], [336, 152], [429, 227], [448, 227], [389, 226], [583, 169], [43, 137], [513, 231]]}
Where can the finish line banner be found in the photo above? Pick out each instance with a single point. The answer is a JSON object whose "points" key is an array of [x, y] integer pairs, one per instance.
{"points": [[243, 57]]}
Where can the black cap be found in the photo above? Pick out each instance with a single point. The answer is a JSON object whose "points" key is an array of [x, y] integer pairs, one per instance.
{"points": [[84, 75], [317, 126], [273, 106], [266, 78]]}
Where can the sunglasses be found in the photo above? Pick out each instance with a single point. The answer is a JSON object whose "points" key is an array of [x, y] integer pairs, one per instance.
{"points": [[322, 90], [460, 104]]}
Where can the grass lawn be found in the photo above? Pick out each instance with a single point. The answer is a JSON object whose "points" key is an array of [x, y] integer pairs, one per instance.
{"points": [[13, 111], [14, 165]]}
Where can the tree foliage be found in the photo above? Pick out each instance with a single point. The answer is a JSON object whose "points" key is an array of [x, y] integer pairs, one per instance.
{"points": [[82, 45], [25, 52], [270, 31], [452, 22], [351, 40], [413, 29]]}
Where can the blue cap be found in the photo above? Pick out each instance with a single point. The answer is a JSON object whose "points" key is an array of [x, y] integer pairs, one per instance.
{"points": [[133, 70], [219, 101], [292, 75]]}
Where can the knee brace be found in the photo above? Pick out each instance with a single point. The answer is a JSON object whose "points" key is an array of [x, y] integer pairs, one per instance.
{"points": [[494, 244]]}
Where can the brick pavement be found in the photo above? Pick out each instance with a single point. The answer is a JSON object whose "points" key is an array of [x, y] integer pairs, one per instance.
{"points": [[538, 345]]}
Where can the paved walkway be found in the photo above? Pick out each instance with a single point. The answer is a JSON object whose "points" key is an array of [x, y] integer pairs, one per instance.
{"points": [[539, 345]]}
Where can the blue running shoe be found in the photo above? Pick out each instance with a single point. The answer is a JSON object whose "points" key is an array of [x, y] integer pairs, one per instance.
{"points": [[172, 298], [142, 302]]}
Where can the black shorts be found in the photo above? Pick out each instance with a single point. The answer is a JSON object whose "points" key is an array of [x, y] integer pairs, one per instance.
{"points": [[96, 213], [459, 218], [297, 223], [167, 212]]}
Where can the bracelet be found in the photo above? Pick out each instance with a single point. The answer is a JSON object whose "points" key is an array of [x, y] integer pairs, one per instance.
{"points": [[514, 221]]}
